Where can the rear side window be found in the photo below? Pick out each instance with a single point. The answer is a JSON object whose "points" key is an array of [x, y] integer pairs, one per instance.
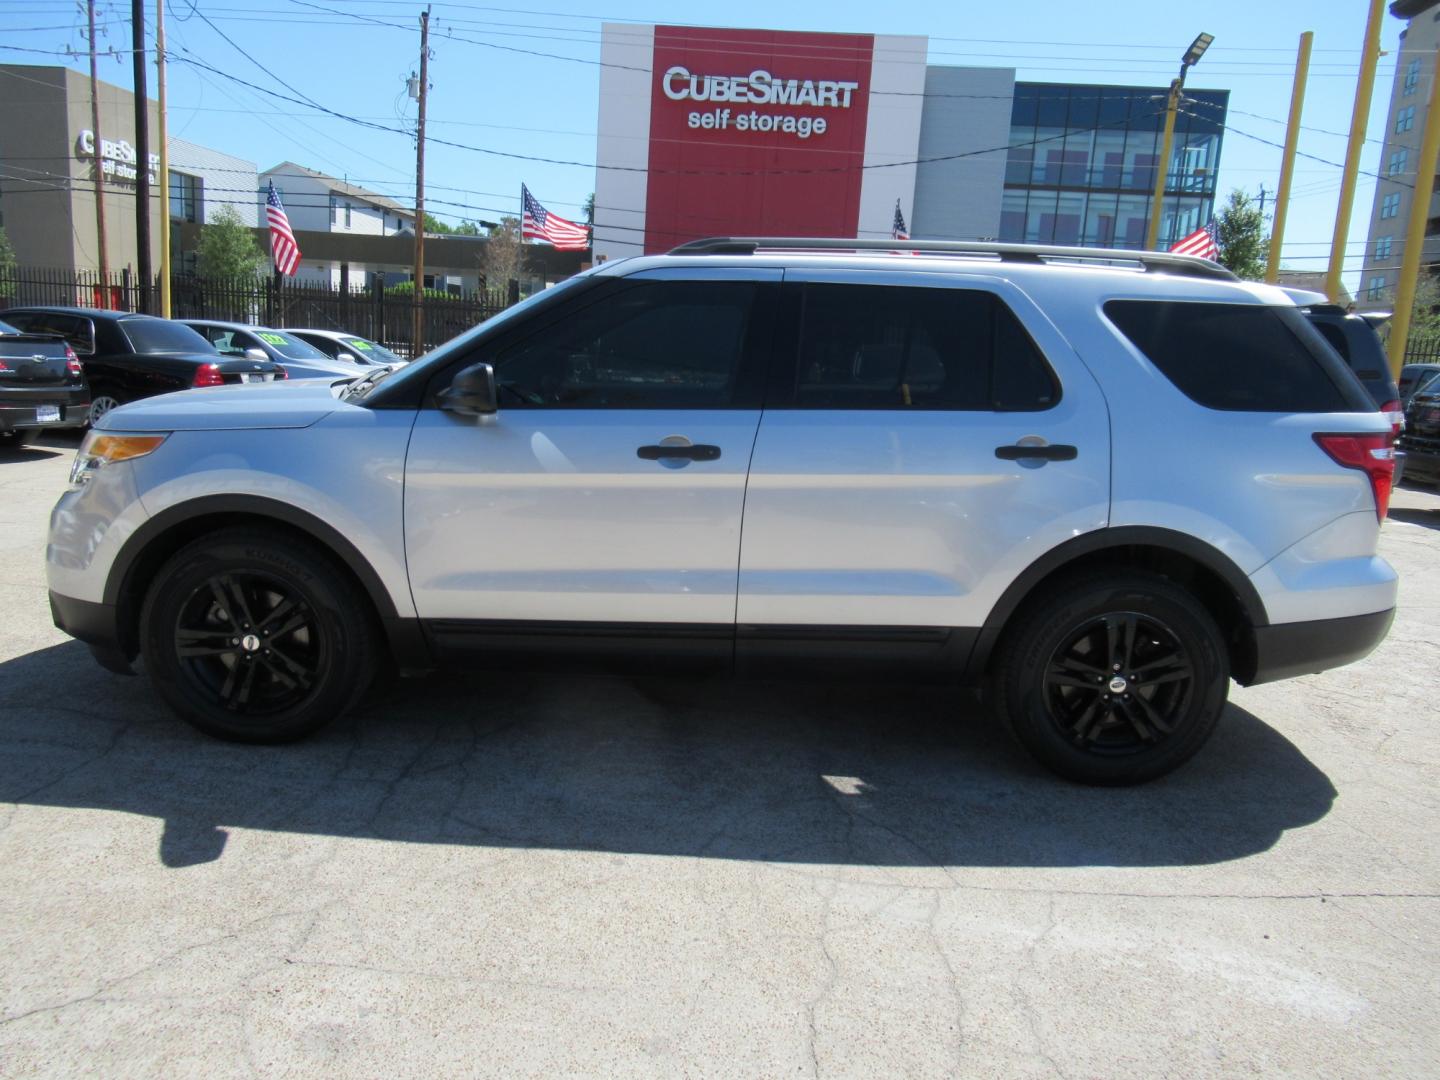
{"points": [[902, 347], [1240, 357]]}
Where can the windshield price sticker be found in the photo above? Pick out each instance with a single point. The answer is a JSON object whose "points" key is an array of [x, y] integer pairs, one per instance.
{"points": [[273, 339]]}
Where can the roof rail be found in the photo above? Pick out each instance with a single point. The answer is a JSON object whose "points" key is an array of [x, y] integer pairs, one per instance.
{"points": [[1153, 261]]}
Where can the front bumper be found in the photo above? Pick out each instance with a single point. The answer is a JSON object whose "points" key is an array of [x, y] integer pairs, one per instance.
{"points": [[72, 414], [1285, 650], [97, 625]]}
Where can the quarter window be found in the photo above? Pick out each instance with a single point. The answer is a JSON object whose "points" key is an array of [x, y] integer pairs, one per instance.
{"points": [[649, 344], [897, 347]]}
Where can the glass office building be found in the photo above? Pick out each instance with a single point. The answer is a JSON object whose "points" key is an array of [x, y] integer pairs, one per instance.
{"points": [[1082, 160]]}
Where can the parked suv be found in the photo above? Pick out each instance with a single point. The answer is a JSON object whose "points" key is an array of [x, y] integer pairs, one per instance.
{"points": [[1099, 484]]}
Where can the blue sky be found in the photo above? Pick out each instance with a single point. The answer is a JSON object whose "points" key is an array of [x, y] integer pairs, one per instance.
{"points": [[523, 80]]}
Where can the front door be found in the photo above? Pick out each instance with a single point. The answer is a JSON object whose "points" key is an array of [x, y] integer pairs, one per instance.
{"points": [[929, 438], [606, 492]]}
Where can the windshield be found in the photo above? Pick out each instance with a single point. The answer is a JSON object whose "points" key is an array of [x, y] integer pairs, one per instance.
{"points": [[151, 335], [370, 350], [288, 345]]}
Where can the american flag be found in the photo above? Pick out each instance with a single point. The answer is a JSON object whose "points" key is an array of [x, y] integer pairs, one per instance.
{"points": [[1200, 242], [897, 227], [283, 248], [537, 223]]}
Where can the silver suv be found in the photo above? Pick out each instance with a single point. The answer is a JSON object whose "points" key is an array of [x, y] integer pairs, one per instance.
{"points": [[1098, 484]]}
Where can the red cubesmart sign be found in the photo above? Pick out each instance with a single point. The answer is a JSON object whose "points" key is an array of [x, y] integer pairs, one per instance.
{"points": [[755, 132]]}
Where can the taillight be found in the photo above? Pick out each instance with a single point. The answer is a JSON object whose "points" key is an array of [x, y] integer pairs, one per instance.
{"points": [[280, 372], [1395, 413], [72, 363], [208, 375], [1374, 455], [4, 366]]}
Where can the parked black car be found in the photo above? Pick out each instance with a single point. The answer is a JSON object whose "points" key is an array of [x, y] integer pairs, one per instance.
{"points": [[1422, 436], [1414, 378], [301, 359], [127, 356], [41, 386]]}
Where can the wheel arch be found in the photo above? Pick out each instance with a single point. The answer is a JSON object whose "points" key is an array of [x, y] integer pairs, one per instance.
{"points": [[161, 536], [1225, 590]]}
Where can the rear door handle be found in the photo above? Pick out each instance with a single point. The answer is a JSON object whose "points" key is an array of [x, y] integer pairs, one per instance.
{"points": [[697, 452], [1055, 452]]}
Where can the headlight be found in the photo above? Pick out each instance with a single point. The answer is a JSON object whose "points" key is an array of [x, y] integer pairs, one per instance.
{"points": [[102, 448]]}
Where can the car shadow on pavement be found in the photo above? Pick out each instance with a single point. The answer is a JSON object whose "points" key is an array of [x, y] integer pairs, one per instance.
{"points": [[29, 452], [786, 772], [1430, 519]]}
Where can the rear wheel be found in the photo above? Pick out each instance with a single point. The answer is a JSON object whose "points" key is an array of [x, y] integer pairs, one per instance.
{"points": [[100, 404], [257, 636], [13, 440], [1115, 679]]}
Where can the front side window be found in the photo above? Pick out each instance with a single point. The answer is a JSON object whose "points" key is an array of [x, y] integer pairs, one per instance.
{"points": [[1390, 205], [649, 344], [900, 347]]}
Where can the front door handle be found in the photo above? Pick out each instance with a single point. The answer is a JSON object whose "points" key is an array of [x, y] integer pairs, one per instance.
{"points": [[696, 452], [1055, 452]]}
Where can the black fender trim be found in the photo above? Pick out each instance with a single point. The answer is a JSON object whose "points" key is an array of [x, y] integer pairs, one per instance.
{"points": [[407, 641], [1100, 540]]}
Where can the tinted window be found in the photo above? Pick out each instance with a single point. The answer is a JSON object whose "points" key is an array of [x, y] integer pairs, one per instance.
{"points": [[649, 344], [1240, 357], [897, 347], [162, 336], [76, 331]]}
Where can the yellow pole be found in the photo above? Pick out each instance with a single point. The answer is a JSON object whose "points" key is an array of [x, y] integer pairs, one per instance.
{"points": [[164, 163], [1415, 231], [1157, 201], [1287, 162], [1369, 57]]}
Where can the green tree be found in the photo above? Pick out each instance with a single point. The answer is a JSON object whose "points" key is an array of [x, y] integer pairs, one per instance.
{"points": [[1425, 315], [228, 248], [1240, 235], [590, 209], [503, 260], [7, 265], [435, 225]]}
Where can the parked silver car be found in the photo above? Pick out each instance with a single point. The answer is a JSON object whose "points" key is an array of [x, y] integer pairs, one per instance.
{"points": [[1099, 484]]}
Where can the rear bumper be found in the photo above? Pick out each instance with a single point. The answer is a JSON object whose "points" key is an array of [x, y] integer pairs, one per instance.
{"points": [[97, 625], [73, 413], [1302, 648]]}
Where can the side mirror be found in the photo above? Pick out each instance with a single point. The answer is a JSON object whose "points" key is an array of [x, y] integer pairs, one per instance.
{"points": [[349, 357], [255, 353], [471, 392]]}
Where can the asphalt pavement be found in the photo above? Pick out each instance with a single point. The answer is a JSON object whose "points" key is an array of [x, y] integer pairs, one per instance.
{"points": [[509, 875]]}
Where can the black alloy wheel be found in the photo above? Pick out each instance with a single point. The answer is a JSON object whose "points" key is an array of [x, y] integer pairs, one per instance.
{"points": [[1119, 685], [1115, 677], [257, 635], [250, 642]]}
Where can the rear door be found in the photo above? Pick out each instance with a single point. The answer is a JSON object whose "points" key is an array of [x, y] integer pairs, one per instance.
{"points": [[930, 438], [604, 497]]}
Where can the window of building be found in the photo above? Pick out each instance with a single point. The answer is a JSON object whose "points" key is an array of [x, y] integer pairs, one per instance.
{"points": [[1405, 119], [656, 344], [1398, 161], [1375, 288], [896, 347], [1382, 246], [1390, 205], [185, 197], [334, 210], [1412, 77], [347, 215]]}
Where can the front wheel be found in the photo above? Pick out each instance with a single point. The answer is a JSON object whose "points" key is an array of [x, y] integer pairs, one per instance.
{"points": [[1113, 679], [257, 636]]}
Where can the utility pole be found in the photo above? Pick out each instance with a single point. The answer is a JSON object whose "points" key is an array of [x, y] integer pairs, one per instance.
{"points": [[1262, 204], [418, 295], [99, 160], [164, 137], [1364, 88], [1287, 161], [1415, 232], [142, 155], [1157, 202]]}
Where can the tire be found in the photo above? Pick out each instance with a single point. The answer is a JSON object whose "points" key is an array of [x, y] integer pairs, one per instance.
{"points": [[100, 404], [1175, 675], [14, 440], [256, 636]]}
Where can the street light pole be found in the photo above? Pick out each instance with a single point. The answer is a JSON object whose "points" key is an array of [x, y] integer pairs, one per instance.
{"points": [[1167, 142]]}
